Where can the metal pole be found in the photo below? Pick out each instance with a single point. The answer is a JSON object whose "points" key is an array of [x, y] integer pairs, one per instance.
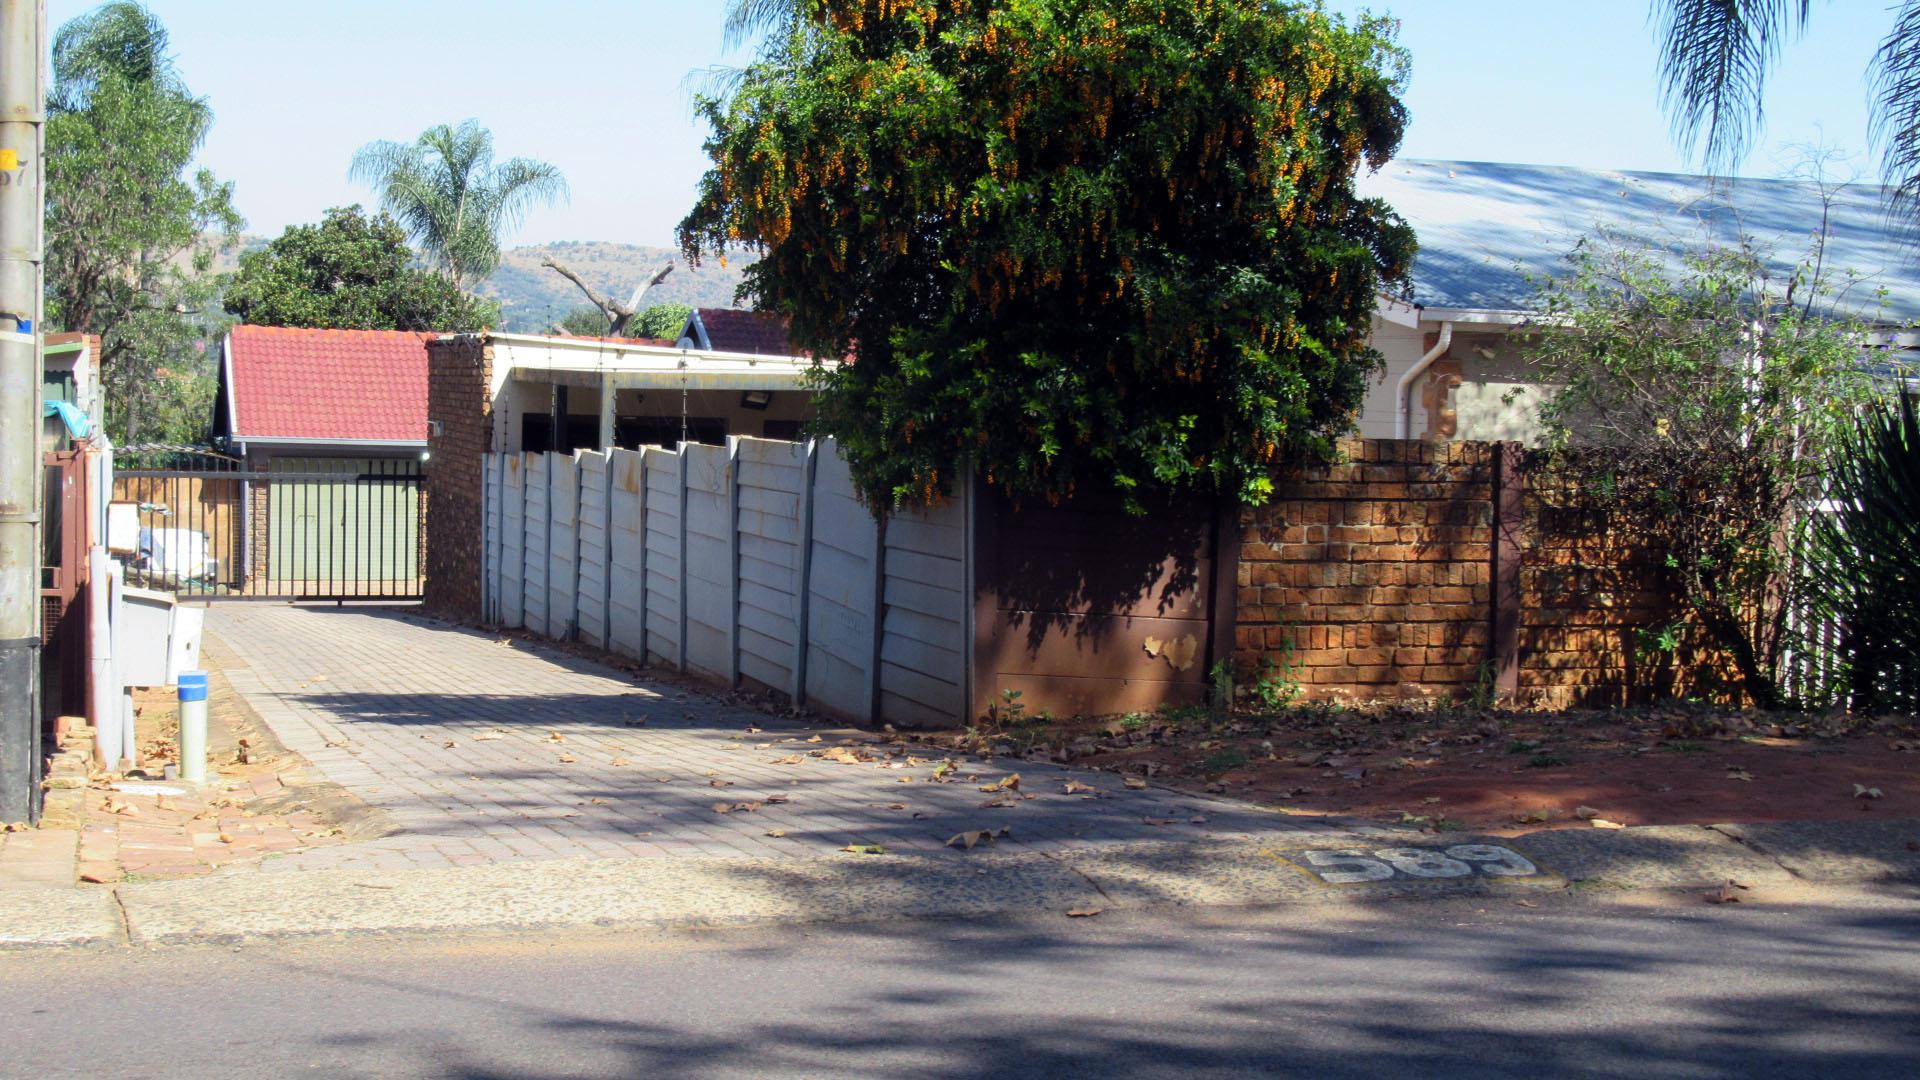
{"points": [[22, 109]]}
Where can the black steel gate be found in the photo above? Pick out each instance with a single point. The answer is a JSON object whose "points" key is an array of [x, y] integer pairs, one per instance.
{"points": [[304, 529]]}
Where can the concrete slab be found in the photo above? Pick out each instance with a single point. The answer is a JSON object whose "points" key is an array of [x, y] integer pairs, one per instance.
{"points": [[618, 893], [57, 918], [1865, 850]]}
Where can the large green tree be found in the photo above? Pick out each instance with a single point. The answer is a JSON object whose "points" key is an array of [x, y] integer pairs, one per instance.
{"points": [[1081, 244], [1716, 56], [350, 272], [455, 202], [131, 229]]}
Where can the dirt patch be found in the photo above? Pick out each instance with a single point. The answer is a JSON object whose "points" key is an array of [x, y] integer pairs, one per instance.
{"points": [[1503, 772]]}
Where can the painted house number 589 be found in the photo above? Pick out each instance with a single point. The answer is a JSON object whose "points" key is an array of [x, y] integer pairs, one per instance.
{"points": [[1350, 866]]}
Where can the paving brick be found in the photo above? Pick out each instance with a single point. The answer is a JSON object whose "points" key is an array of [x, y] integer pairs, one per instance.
{"points": [[372, 696]]}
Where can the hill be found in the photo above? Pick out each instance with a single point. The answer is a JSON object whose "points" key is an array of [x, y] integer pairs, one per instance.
{"points": [[532, 297]]}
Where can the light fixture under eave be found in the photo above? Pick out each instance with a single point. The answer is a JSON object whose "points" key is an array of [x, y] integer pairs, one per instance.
{"points": [[756, 399]]}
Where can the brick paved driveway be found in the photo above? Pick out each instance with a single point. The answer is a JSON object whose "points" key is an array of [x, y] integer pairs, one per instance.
{"points": [[479, 751]]}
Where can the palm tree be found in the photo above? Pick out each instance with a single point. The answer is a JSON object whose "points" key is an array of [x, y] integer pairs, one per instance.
{"points": [[454, 201], [1715, 56]]}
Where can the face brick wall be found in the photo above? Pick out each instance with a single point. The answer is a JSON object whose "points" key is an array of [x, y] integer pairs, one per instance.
{"points": [[1376, 579], [1590, 592], [459, 370], [1377, 571]]}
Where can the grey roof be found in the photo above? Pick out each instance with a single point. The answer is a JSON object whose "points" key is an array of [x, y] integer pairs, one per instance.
{"points": [[1484, 227]]}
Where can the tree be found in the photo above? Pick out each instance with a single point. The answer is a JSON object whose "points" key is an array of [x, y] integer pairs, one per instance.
{"points": [[658, 321], [1716, 55], [615, 315], [451, 197], [1082, 244], [1697, 402], [350, 272], [130, 236]]}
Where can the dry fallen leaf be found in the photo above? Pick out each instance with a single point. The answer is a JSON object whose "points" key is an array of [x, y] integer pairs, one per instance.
{"points": [[1159, 821], [619, 761], [776, 798], [1075, 787], [966, 840], [865, 849], [449, 744], [226, 838], [842, 755], [1007, 783], [1005, 798], [1862, 791], [567, 759], [1728, 893], [1083, 912], [1737, 773], [1603, 823], [719, 783], [731, 746], [1136, 782], [814, 739], [735, 808], [554, 736], [790, 759], [488, 736], [896, 806], [776, 833]]}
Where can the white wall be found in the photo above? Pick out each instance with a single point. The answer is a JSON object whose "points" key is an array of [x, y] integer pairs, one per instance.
{"points": [[757, 556]]}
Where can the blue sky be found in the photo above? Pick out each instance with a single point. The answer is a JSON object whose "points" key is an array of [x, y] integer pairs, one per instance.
{"points": [[601, 89]]}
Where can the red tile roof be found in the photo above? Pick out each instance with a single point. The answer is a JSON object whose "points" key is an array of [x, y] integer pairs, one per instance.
{"points": [[735, 331], [289, 383]]}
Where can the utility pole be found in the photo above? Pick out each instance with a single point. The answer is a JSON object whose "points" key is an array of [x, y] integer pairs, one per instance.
{"points": [[22, 204]]}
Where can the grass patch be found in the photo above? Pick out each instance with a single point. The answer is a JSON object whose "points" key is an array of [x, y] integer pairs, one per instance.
{"points": [[1545, 761]]}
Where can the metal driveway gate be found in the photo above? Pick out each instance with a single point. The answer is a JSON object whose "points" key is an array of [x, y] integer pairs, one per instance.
{"points": [[308, 529]]}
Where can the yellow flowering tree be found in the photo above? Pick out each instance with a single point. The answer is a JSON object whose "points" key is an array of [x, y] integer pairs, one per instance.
{"points": [[1078, 244]]}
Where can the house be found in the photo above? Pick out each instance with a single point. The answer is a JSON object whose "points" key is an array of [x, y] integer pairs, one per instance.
{"points": [[70, 375], [1489, 232], [730, 373], [292, 395]]}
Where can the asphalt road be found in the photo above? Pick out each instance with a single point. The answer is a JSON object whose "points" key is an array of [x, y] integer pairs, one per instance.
{"points": [[1824, 984]]}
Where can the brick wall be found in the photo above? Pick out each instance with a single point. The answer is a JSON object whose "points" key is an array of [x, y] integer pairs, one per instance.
{"points": [[1589, 589], [1378, 571], [1421, 569], [459, 370]]}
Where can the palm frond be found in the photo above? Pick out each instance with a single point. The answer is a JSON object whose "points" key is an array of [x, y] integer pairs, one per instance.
{"points": [[751, 19], [1715, 56], [1896, 109]]}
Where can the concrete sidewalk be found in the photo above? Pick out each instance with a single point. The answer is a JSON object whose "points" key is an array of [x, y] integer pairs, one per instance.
{"points": [[710, 892]]}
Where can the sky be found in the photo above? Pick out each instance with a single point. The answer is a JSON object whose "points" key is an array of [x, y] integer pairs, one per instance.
{"points": [[604, 90]]}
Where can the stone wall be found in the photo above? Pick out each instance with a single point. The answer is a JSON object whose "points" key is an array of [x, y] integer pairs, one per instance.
{"points": [[460, 431]]}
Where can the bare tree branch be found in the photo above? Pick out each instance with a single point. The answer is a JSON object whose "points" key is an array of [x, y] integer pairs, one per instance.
{"points": [[618, 314]]}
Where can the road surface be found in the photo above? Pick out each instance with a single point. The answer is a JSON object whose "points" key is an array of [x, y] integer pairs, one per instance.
{"points": [[1810, 984]]}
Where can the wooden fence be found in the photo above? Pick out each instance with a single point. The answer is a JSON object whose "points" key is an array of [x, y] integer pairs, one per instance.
{"points": [[750, 564]]}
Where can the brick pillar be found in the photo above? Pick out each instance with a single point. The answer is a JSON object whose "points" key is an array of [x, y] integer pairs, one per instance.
{"points": [[460, 407], [1509, 514]]}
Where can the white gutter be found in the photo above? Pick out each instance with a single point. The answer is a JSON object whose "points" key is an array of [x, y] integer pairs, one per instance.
{"points": [[1402, 407], [233, 415]]}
